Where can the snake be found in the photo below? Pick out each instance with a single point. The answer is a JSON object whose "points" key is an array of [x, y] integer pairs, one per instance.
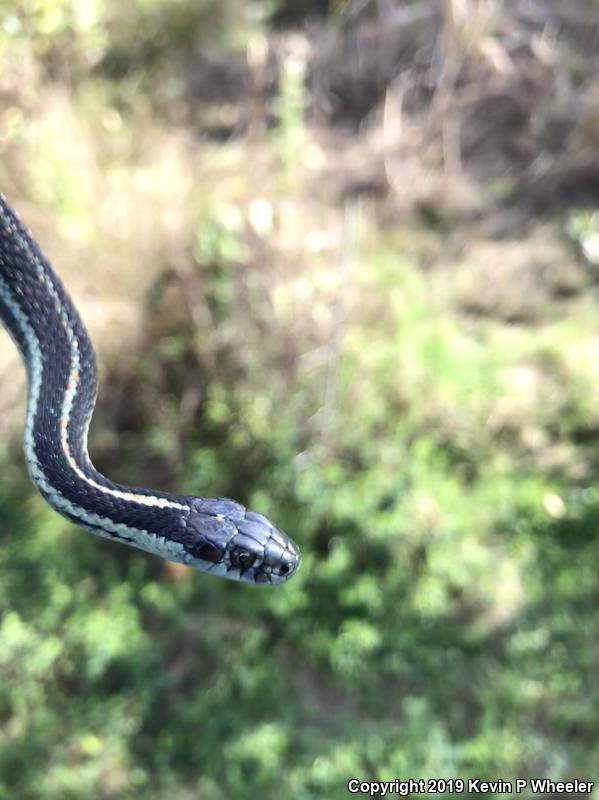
{"points": [[214, 535]]}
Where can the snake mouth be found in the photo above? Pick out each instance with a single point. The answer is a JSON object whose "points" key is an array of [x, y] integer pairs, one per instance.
{"points": [[276, 565], [261, 553], [287, 568], [281, 557], [278, 561]]}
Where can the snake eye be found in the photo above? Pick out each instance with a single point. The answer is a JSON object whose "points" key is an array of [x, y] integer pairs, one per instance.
{"points": [[242, 559]]}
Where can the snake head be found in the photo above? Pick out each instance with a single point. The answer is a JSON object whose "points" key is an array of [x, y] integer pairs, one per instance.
{"points": [[225, 539]]}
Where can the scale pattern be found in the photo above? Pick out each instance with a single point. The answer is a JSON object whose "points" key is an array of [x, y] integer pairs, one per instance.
{"points": [[215, 535]]}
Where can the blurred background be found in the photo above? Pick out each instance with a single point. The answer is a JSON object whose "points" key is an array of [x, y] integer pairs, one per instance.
{"points": [[340, 262]]}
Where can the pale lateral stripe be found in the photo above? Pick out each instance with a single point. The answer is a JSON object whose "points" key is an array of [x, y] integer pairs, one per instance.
{"points": [[147, 500], [101, 526]]}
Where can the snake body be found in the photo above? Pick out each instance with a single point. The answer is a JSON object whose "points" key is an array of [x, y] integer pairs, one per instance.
{"points": [[214, 535]]}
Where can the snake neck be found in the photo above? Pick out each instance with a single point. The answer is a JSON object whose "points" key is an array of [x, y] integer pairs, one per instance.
{"points": [[60, 361]]}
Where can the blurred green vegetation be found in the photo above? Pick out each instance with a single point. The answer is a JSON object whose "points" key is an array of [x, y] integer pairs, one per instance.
{"points": [[438, 467]]}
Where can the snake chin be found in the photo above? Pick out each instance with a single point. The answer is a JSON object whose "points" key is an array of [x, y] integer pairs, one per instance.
{"points": [[279, 562]]}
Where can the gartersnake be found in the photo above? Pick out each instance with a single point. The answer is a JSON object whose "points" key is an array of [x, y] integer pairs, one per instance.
{"points": [[215, 535]]}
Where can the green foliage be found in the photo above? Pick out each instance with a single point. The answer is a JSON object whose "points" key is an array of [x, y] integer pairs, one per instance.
{"points": [[74, 35], [290, 107], [435, 469], [583, 228], [434, 629]]}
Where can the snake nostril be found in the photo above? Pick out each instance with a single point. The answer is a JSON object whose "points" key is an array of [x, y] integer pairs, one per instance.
{"points": [[284, 569]]}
